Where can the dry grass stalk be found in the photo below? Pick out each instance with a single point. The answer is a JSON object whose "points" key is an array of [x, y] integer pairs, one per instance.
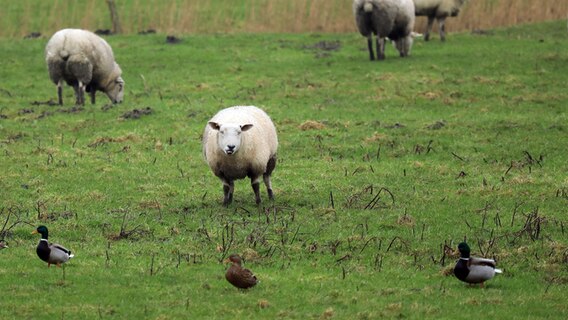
{"points": [[229, 16]]}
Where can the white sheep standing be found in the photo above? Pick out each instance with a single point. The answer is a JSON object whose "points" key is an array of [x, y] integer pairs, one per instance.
{"points": [[440, 10], [238, 142], [385, 18], [84, 61]]}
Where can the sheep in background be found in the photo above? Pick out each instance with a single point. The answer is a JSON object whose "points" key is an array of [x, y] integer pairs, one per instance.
{"points": [[238, 142], [385, 18], [440, 10], [84, 61]]}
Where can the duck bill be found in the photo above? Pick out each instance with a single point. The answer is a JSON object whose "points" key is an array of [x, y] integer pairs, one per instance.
{"points": [[34, 232]]}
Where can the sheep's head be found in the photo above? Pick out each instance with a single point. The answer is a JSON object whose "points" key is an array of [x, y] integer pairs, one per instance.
{"points": [[115, 90], [229, 136], [115, 86]]}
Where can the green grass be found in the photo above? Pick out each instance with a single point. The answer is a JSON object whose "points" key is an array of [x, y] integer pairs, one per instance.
{"points": [[479, 152]]}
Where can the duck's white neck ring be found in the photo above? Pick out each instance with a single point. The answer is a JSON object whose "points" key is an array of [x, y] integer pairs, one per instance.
{"points": [[43, 240], [466, 259]]}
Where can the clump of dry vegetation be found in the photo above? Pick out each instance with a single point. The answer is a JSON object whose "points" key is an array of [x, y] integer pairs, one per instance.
{"points": [[187, 16]]}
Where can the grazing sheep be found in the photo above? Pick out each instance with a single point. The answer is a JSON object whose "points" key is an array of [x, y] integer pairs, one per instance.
{"points": [[385, 18], [86, 62], [440, 10], [238, 142]]}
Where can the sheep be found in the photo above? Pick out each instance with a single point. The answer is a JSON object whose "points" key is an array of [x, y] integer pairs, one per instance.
{"points": [[385, 18], [440, 10], [238, 142], [84, 61]]}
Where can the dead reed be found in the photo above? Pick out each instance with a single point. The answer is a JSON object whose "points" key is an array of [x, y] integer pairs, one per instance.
{"points": [[20, 18]]}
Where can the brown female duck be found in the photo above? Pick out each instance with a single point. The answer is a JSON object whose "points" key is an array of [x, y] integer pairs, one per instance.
{"points": [[52, 253], [237, 275]]}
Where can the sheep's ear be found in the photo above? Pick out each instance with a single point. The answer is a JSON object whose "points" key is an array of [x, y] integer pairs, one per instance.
{"points": [[214, 125], [245, 127], [119, 80]]}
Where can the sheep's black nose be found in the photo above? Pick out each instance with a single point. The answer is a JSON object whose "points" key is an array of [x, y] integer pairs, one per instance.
{"points": [[231, 147]]}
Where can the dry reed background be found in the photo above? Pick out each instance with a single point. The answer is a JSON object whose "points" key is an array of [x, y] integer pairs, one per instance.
{"points": [[19, 18]]}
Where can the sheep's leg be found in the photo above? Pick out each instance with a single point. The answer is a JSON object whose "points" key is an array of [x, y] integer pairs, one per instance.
{"points": [[268, 184], [60, 92], [78, 93], [228, 189], [81, 93], [56, 68], [255, 183], [92, 92], [400, 46], [266, 177], [82, 70], [381, 48], [370, 46], [403, 45], [442, 26], [429, 28]]}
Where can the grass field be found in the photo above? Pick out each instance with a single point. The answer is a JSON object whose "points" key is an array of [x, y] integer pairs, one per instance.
{"points": [[381, 165]]}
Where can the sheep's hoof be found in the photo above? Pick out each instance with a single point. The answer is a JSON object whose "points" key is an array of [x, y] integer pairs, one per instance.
{"points": [[227, 201]]}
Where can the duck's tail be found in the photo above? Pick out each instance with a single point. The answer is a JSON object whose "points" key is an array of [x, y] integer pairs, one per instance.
{"points": [[498, 270], [72, 255]]}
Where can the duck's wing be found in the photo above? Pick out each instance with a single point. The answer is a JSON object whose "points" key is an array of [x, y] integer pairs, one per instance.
{"points": [[480, 273], [248, 277], [475, 261], [59, 253], [248, 274]]}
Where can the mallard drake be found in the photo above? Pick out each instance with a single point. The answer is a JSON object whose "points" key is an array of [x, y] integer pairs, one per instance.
{"points": [[52, 253], [3, 244], [237, 275], [472, 269]]}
